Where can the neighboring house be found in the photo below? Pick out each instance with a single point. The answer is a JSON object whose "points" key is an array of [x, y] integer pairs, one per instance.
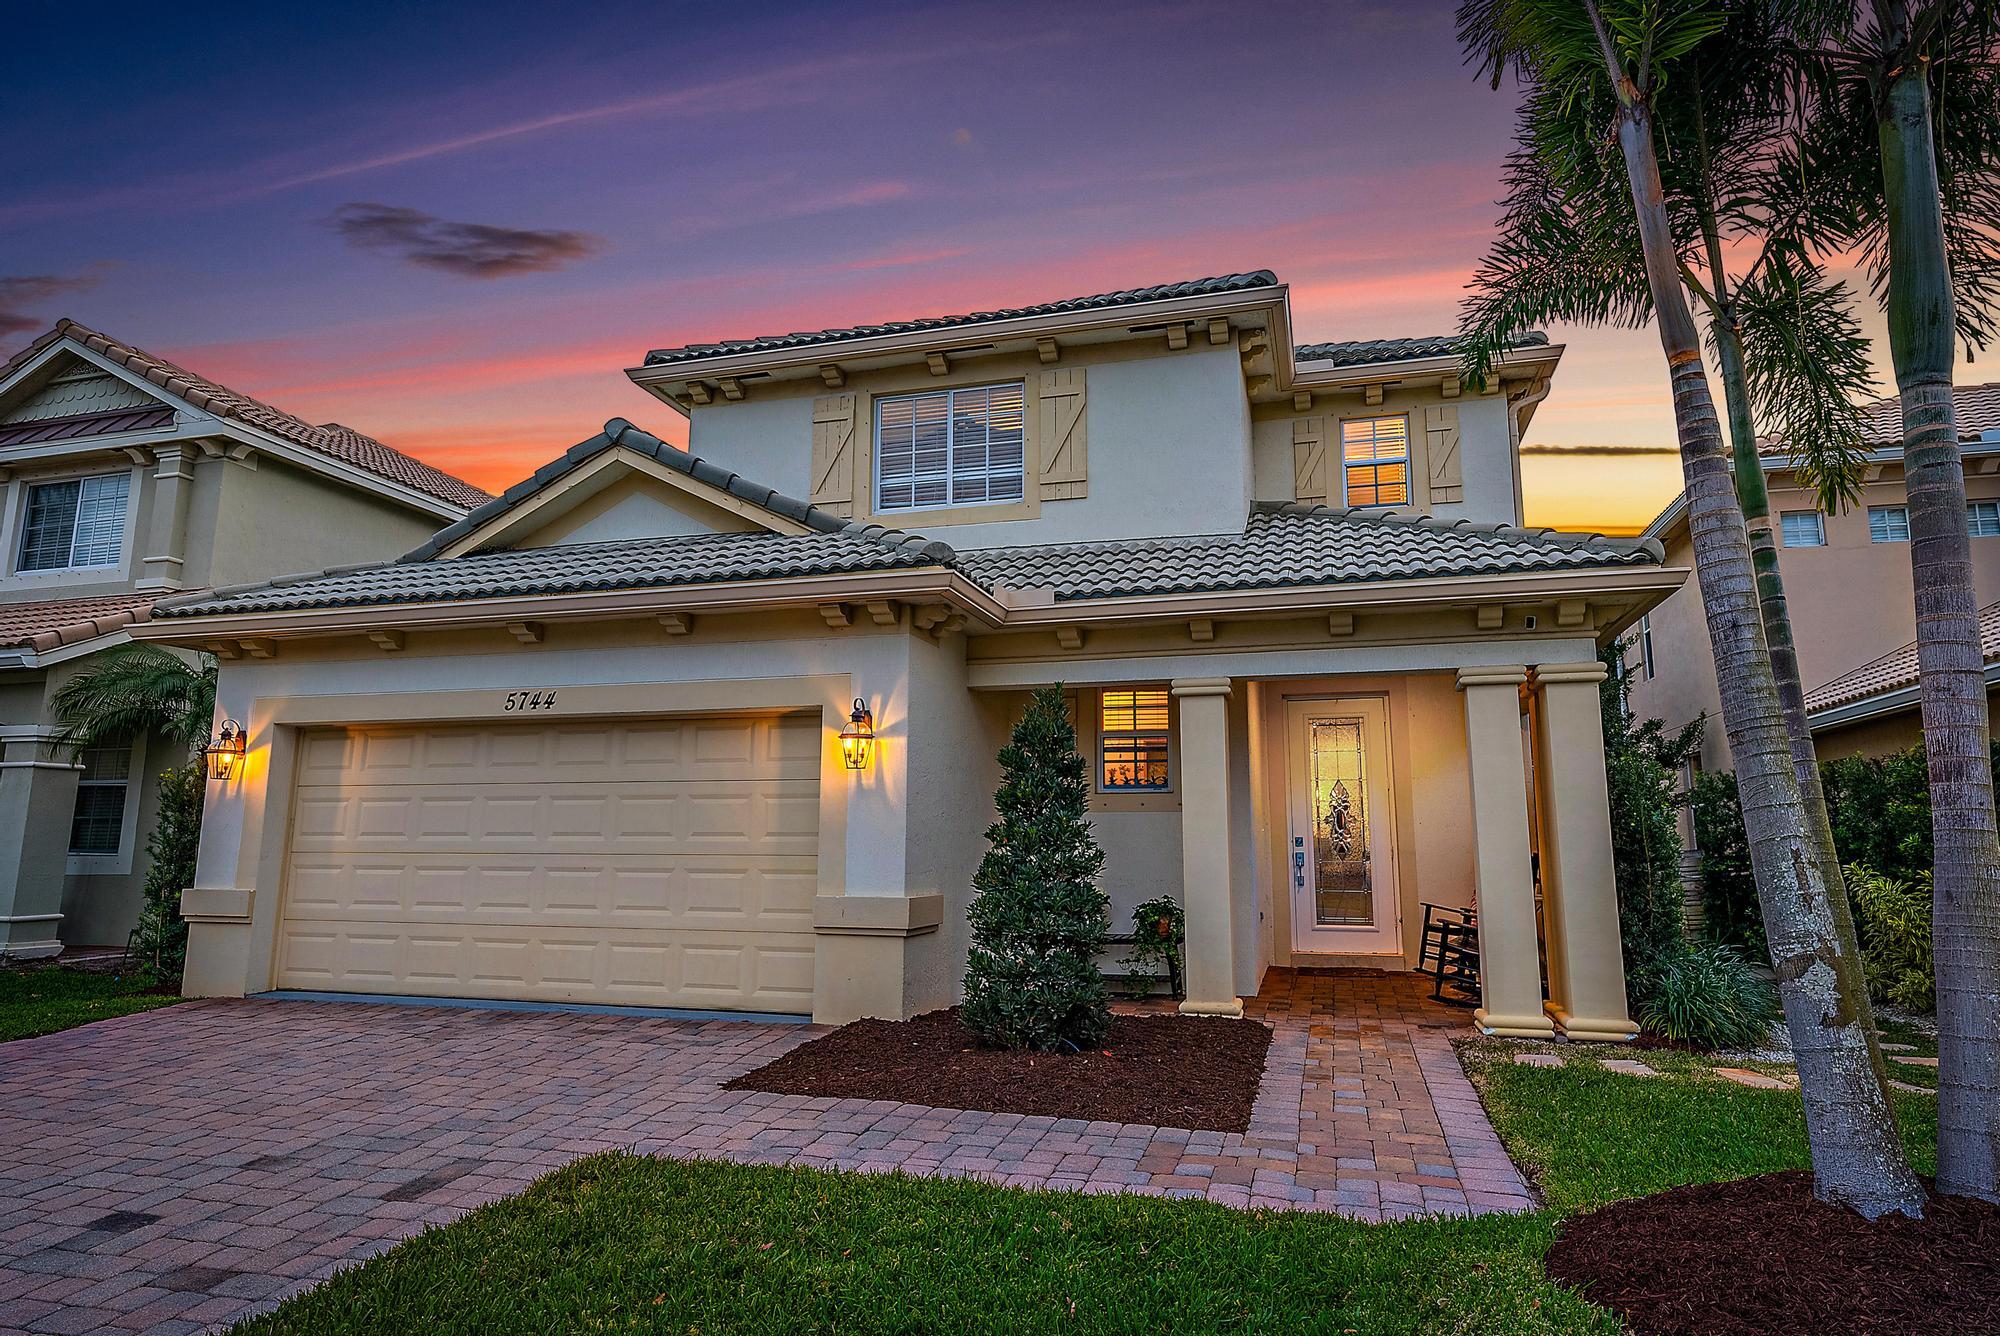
{"points": [[1875, 709], [124, 478], [1847, 583], [585, 745]]}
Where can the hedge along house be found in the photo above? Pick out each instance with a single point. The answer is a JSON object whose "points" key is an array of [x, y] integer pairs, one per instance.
{"points": [[587, 744]]}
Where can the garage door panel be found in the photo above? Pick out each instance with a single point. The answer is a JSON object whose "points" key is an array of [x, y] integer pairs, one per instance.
{"points": [[773, 972], [740, 816], [651, 862]]}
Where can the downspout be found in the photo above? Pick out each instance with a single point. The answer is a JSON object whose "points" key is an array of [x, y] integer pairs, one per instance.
{"points": [[1519, 406]]}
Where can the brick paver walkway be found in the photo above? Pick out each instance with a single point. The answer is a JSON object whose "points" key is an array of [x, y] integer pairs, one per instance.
{"points": [[172, 1170]]}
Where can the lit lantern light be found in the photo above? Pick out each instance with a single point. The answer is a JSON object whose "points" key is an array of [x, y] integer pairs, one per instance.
{"points": [[858, 738], [225, 751]]}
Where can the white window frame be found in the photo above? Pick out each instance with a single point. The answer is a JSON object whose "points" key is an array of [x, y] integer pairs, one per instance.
{"points": [[1886, 530], [117, 862], [1107, 736], [1982, 525], [948, 477], [1340, 450], [22, 496], [1787, 518]]}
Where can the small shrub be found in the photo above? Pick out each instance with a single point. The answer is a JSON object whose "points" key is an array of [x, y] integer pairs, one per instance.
{"points": [[161, 939], [1880, 810], [1893, 917], [1728, 887], [1708, 995], [1038, 917], [1158, 931], [1640, 758]]}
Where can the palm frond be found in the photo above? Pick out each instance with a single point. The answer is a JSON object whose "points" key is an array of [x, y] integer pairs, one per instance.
{"points": [[133, 689]]}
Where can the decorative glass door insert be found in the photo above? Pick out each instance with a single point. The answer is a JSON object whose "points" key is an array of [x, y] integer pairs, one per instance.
{"points": [[1343, 890]]}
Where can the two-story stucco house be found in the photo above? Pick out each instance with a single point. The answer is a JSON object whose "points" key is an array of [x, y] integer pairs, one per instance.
{"points": [[124, 478], [1848, 583], [585, 745]]}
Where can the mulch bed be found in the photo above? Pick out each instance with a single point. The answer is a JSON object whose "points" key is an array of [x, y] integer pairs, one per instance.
{"points": [[1760, 1255], [1198, 1072]]}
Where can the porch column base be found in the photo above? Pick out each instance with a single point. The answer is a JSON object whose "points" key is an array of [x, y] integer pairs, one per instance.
{"points": [[1232, 1009], [1599, 1029], [1513, 1027]]}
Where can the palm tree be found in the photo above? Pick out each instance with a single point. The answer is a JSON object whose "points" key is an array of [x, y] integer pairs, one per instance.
{"points": [[130, 690], [1905, 133], [1790, 353], [1608, 55]]}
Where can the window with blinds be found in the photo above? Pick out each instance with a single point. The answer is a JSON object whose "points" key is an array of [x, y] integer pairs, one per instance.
{"points": [[1132, 740], [1375, 460], [79, 522], [1982, 519], [1888, 524], [98, 824], [1802, 528], [950, 448]]}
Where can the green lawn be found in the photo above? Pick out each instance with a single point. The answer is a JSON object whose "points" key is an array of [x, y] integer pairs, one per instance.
{"points": [[618, 1242], [44, 1000]]}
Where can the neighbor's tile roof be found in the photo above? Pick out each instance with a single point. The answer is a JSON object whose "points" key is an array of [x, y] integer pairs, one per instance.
{"points": [[1367, 352], [1292, 545], [62, 621], [1896, 669], [1977, 407], [1197, 287], [330, 439], [619, 432]]}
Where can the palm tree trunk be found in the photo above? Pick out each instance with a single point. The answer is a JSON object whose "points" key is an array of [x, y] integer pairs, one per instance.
{"points": [[1858, 1158], [1965, 909], [1755, 499]]}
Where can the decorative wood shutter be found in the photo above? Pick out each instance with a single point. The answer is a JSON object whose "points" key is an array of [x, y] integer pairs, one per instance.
{"points": [[1447, 479], [1310, 475], [833, 453], [1061, 434]]}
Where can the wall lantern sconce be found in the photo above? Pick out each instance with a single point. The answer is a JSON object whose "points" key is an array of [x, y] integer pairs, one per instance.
{"points": [[858, 738], [225, 751]]}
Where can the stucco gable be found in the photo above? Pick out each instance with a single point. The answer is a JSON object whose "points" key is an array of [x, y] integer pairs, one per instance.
{"points": [[624, 483]]}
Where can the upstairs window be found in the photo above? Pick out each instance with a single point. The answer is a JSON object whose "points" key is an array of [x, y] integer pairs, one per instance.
{"points": [[1375, 460], [1888, 524], [1646, 665], [1982, 518], [950, 448], [98, 824], [1802, 528], [75, 524], [1132, 741]]}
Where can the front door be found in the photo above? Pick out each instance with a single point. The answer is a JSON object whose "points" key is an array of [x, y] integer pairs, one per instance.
{"points": [[1340, 852]]}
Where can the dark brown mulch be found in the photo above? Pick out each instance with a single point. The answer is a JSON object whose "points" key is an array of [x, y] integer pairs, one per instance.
{"points": [[1760, 1255], [1198, 1072]]}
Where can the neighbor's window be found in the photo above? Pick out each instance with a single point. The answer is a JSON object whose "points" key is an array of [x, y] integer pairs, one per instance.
{"points": [[1375, 460], [1888, 524], [1132, 740], [1982, 518], [949, 448], [1646, 646], [1802, 528], [98, 824], [75, 523]]}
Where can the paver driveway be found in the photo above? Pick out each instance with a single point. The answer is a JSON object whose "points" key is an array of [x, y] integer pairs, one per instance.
{"points": [[168, 1171]]}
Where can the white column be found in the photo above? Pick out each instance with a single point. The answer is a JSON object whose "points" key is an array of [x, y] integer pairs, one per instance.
{"points": [[1579, 883], [1510, 969], [1203, 703]]}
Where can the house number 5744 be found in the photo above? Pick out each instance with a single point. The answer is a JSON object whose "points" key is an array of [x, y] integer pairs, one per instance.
{"points": [[519, 702]]}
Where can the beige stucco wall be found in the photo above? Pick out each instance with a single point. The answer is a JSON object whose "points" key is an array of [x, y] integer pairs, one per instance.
{"points": [[1851, 601], [276, 519], [1486, 449], [1168, 442]]}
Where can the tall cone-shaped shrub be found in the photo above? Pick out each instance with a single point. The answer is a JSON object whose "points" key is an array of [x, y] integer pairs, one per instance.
{"points": [[1038, 917]]}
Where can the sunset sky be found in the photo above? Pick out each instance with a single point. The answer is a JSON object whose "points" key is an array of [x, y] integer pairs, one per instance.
{"points": [[452, 226]]}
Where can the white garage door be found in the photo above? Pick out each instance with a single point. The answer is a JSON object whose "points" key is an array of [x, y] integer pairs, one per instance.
{"points": [[658, 862]]}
